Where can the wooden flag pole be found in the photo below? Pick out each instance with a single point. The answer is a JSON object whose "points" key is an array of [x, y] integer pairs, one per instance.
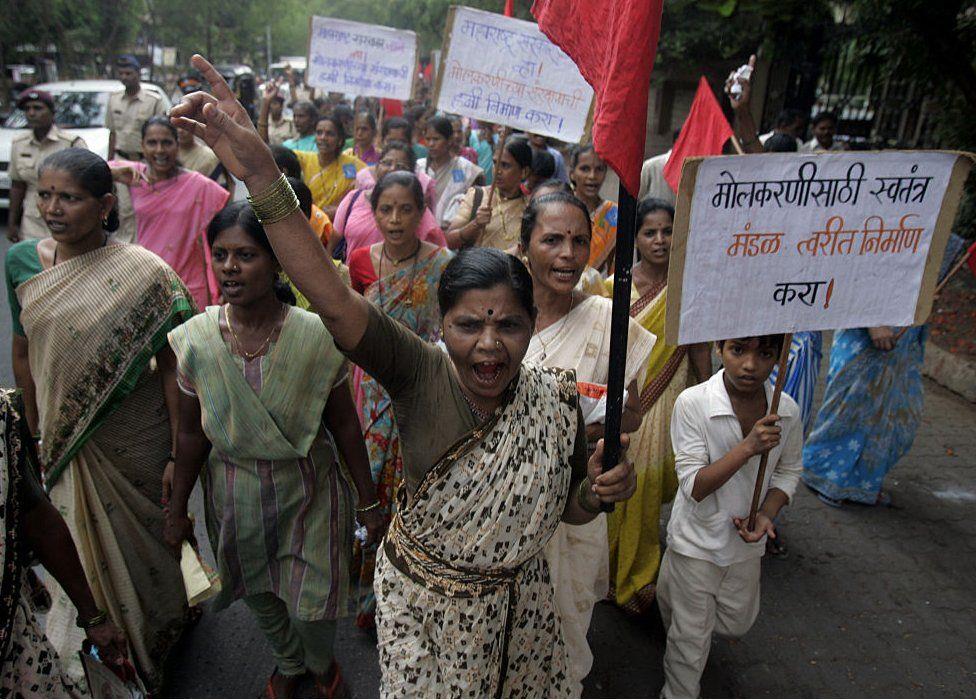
{"points": [[619, 325], [784, 357], [942, 284]]}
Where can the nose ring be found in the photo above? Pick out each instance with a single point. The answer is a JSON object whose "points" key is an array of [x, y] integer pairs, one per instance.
{"points": [[498, 343]]}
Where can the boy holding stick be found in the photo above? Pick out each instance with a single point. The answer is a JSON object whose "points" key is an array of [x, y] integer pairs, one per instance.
{"points": [[709, 578]]}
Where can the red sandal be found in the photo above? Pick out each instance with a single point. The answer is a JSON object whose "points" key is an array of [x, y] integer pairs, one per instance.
{"points": [[335, 688], [269, 691]]}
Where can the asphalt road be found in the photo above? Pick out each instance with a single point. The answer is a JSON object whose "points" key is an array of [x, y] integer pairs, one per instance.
{"points": [[869, 602]]}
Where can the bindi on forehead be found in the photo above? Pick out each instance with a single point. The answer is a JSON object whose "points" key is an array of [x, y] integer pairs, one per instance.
{"points": [[491, 312]]}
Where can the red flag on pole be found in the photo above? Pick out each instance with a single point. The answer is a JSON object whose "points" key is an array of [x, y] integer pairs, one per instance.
{"points": [[614, 43], [704, 133], [509, 8]]}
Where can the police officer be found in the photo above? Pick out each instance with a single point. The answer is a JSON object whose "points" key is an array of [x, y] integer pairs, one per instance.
{"points": [[27, 151], [128, 110]]}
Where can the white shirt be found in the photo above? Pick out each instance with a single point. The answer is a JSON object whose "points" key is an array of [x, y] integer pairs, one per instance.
{"points": [[652, 182], [813, 146], [704, 428]]}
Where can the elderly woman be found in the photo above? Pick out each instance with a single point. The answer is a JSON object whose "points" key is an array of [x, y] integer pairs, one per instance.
{"points": [[494, 450]]}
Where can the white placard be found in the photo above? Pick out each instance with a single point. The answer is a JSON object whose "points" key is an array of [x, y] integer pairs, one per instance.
{"points": [[506, 71], [361, 59], [786, 242]]}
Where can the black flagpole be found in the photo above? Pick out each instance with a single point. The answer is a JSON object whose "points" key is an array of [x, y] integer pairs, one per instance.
{"points": [[619, 324]]}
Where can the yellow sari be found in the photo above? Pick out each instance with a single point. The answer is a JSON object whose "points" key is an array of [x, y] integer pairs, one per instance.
{"points": [[331, 183], [632, 528]]}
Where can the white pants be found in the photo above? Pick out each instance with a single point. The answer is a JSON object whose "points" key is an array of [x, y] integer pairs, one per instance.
{"points": [[697, 598]]}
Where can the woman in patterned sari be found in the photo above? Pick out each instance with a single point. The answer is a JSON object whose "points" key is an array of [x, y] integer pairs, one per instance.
{"points": [[30, 525], [871, 409], [587, 173], [88, 317], [633, 532], [265, 406], [399, 275], [493, 451]]}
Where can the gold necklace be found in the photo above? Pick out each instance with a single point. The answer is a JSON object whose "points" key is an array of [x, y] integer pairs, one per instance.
{"points": [[249, 356]]}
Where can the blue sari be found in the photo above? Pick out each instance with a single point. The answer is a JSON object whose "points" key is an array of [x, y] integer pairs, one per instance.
{"points": [[871, 410], [802, 371]]}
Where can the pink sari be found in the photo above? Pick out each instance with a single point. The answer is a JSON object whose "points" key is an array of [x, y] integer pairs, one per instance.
{"points": [[355, 221], [171, 221]]}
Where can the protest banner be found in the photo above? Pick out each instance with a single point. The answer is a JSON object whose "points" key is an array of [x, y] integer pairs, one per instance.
{"points": [[360, 59], [504, 70], [778, 243]]}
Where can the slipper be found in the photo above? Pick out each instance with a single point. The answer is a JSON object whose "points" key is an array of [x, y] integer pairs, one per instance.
{"points": [[336, 688], [269, 688], [827, 500], [776, 548]]}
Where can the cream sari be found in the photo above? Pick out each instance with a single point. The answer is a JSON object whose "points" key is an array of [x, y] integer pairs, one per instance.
{"points": [[578, 555], [93, 324], [464, 603]]}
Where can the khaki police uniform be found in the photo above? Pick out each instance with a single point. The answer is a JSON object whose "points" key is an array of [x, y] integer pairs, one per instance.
{"points": [[125, 117], [26, 156]]}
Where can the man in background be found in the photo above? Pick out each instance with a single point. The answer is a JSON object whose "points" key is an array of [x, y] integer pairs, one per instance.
{"points": [[128, 110]]}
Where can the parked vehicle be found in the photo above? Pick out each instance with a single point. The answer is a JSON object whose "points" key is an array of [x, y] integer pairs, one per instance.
{"points": [[80, 107]]}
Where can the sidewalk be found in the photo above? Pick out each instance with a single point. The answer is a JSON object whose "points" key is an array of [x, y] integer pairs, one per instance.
{"points": [[950, 357]]}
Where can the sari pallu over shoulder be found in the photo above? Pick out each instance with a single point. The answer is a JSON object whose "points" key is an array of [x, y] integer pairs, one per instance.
{"points": [[463, 558], [93, 323]]}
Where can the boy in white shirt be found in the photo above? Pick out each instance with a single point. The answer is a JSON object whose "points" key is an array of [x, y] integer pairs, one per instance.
{"points": [[709, 578]]}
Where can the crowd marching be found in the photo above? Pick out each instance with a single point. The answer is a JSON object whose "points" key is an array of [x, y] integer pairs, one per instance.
{"points": [[378, 336]]}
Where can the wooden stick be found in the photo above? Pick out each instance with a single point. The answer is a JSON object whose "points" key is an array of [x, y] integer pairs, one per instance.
{"points": [[498, 160], [784, 357], [737, 145], [942, 284]]}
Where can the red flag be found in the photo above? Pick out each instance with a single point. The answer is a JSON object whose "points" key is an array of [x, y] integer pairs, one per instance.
{"points": [[613, 42], [509, 8], [704, 133], [971, 255]]}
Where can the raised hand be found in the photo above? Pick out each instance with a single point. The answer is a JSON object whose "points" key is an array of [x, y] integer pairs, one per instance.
{"points": [[223, 123], [742, 100]]}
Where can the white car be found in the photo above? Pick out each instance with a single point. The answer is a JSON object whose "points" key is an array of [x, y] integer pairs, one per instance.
{"points": [[80, 107]]}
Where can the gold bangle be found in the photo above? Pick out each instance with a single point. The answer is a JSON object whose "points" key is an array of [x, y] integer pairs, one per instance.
{"points": [[275, 203], [581, 497], [372, 506]]}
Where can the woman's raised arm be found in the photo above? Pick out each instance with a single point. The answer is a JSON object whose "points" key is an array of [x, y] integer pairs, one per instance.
{"points": [[221, 121]]}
